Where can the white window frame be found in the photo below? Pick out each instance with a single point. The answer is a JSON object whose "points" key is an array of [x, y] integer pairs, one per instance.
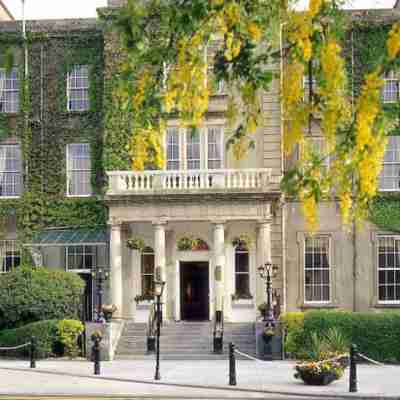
{"points": [[68, 194], [4, 90], [75, 69], [207, 160], [395, 238], [391, 78], [16, 173], [146, 251], [394, 163], [9, 246], [248, 273], [312, 302], [187, 132], [83, 254], [180, 142]]}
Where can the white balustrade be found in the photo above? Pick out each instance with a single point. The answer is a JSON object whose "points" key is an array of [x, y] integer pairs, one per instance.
{"points": [[131, 182]]}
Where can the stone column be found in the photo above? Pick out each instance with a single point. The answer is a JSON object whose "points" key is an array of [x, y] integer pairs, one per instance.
{"points": [[219, 263], [116, 267], [263, 255], [159, 256]]}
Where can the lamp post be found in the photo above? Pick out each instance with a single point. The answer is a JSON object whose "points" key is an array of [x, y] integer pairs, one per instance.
{"points": [[100, 277], [265, 274], [158, 291]]}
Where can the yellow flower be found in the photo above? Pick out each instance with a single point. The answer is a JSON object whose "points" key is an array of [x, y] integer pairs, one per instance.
{"points": [[393, 42], [314, 7], [254, 31]]}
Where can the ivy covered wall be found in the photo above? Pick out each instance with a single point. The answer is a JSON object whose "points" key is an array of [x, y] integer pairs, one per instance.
{"points": [[366, 48], [44, 127]]}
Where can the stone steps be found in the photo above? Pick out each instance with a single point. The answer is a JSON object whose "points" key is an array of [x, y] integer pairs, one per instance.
{"points": [[185, 341]]}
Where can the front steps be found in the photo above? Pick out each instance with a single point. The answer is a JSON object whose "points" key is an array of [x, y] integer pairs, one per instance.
{"points": [[185, 341]]}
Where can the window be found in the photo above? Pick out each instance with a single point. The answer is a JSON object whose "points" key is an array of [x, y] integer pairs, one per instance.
{"points": [[80, 258], [147, 272], [193, 149], [317, 269], [10, 171], [9, 91], [242, 272], [173, 153], [389, 269], [78, 88], [390, 90], [10, 256], [78, 170], [306, 87], [390, 175], [215, 148]]}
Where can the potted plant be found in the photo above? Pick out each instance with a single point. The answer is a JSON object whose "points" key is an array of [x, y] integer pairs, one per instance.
{"points": [[243, 240], [185, 243], [321, 372], [328, 359], [135, 244], [108, 311], [143, 297]]}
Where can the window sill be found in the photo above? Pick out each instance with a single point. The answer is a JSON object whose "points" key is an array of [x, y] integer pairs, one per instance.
{"points": [[387, 305], [9, 197], [243, 303], [318, 305], [144, 304], [78, 196]]}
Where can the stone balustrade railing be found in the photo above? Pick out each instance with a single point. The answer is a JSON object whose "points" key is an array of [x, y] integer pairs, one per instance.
{"points": [[132, 182]]}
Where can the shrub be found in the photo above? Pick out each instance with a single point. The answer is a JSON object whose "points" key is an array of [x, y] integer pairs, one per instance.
{"points": [[293, 323], [68, 332], [33, 294], [45, 333], [377, 335]]}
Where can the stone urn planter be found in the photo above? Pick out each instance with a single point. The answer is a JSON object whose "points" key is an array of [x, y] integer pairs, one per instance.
{"points": [[322, 372]]}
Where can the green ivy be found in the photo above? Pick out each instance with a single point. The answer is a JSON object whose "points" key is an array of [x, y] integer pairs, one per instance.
{"points": [[385, 212], [45, 129]]}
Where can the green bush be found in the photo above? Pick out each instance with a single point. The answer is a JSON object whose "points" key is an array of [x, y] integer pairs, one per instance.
{"points": [[377, 335], [68, 333], [45, 333], [293, 324], [34, 294]]}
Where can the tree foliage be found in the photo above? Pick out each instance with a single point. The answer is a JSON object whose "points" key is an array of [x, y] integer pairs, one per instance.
{"points": [[171, 47]]}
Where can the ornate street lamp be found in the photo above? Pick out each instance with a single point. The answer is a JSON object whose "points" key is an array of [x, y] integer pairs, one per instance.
{"points": [[158, 291], [99, 276], [265, 274]]}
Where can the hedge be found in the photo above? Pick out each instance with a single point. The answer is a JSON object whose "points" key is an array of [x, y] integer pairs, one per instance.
{"points": [[33, 294], [45, 333], [377, 335]]}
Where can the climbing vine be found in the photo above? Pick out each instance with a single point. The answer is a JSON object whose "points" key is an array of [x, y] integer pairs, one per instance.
{"points": [[44, 127]]}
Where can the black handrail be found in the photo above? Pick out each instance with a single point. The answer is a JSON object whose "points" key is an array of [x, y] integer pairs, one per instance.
{"points": [[218, 333], [151, 330]]}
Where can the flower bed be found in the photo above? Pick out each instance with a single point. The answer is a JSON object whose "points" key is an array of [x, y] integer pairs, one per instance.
{"points": [[321, 372]]}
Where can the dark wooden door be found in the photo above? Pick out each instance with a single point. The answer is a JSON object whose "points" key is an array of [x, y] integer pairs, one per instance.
{"points": [[194, 291]]}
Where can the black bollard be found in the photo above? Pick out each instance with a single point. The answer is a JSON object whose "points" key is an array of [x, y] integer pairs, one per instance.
{"points": [[232, 365], [353, 369], [96, 354], [33, 352]]}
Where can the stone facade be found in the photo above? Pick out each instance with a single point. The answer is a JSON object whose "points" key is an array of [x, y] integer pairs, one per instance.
{"points": [[215, 207]]}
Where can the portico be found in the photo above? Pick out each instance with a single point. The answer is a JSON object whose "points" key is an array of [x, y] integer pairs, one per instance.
{"points": [[210, 271]]}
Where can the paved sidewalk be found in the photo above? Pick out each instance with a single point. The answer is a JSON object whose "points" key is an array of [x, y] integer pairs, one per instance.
{"points": [[186, 378]]}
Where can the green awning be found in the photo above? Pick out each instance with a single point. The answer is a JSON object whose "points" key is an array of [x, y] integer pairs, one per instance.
{"points": [[70, 237]]}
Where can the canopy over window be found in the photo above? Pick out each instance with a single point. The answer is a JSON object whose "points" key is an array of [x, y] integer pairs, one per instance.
{"points": [[70, 237]]}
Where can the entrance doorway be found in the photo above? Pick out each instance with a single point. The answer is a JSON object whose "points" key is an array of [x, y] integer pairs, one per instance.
{"points": [[87, 298], [194, 278]]}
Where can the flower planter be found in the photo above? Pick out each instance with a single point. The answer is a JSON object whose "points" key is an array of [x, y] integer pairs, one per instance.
{"points": [[322, 372], [317, 380]]}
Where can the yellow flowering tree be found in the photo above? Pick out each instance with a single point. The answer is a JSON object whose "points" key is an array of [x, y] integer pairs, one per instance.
{"points": [[178, 51]]}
